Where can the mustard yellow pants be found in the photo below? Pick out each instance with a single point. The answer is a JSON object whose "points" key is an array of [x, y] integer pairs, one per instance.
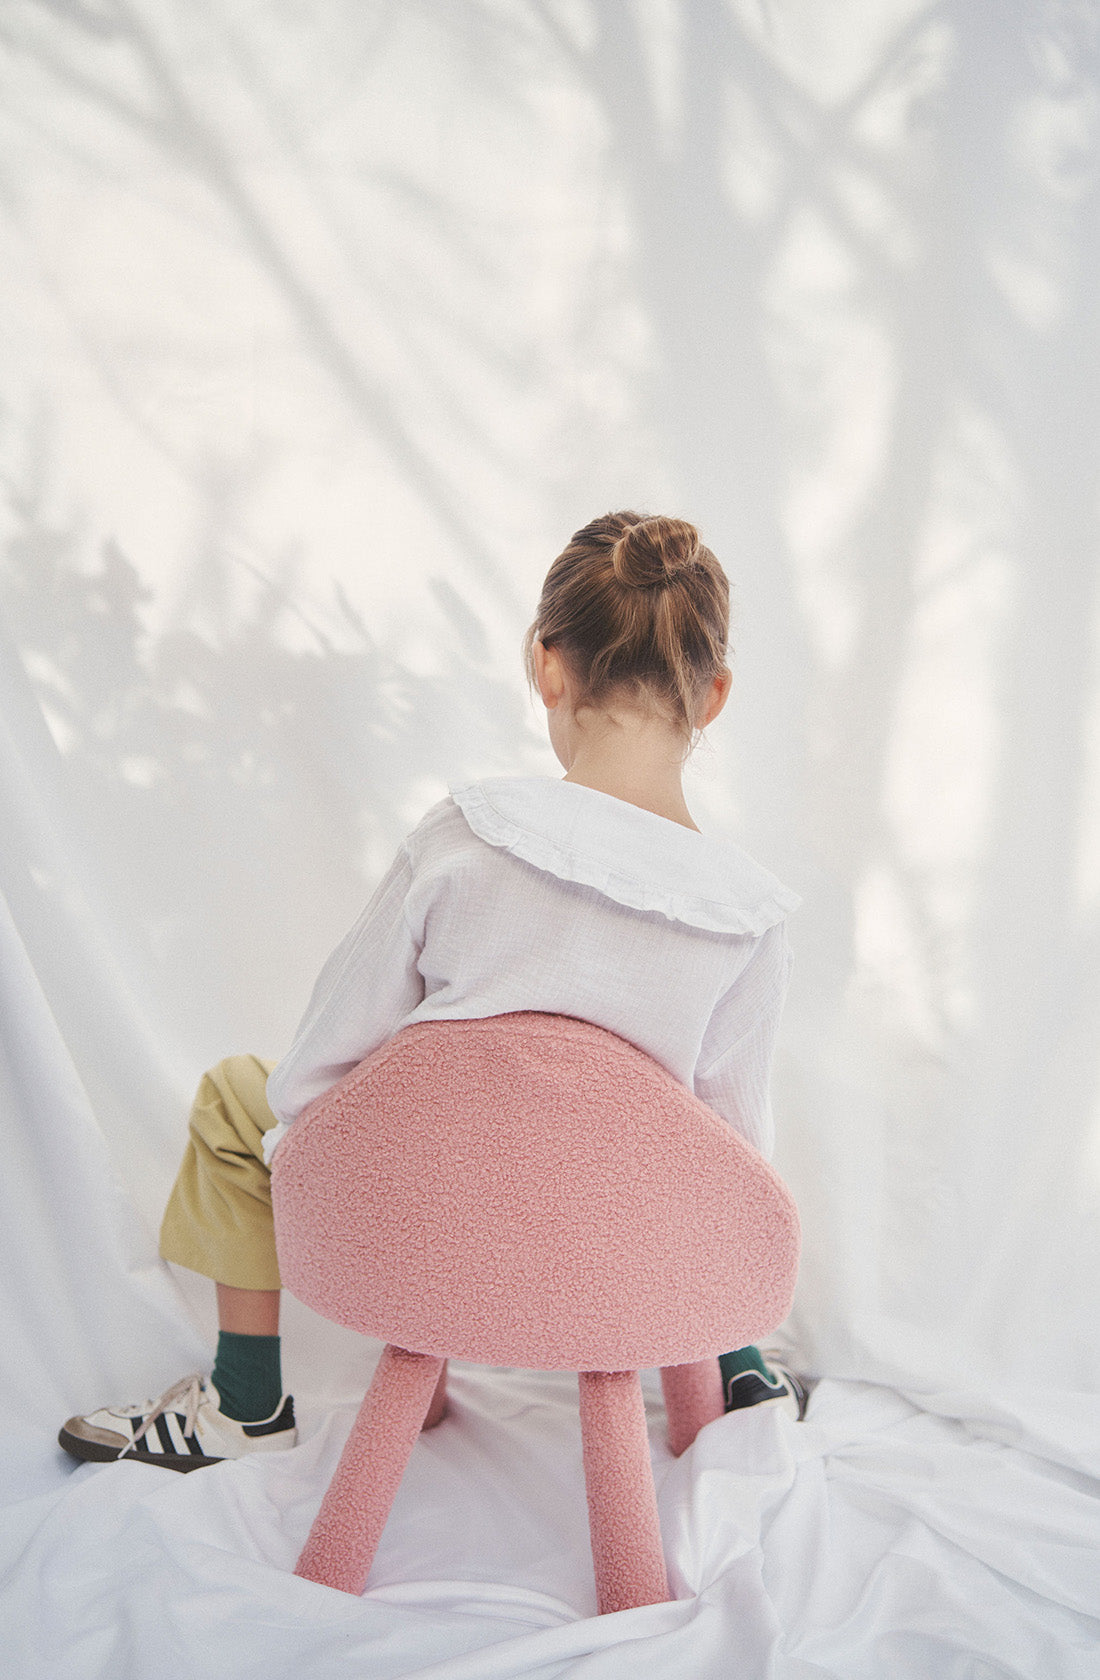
{"points": [[218, 1220]]}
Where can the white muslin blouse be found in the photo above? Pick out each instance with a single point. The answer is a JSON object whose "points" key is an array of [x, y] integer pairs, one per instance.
{"points": [[521, 893]]}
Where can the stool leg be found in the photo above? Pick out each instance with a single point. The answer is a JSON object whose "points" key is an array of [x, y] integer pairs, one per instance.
{"points": [[353, 1513], [622, 1503], [693, 1396]]}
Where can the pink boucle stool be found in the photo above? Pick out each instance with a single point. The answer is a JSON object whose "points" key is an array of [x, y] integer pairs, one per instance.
{"points": [[528, 1190]]}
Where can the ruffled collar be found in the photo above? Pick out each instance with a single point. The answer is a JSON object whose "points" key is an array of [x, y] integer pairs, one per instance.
{"points": [[638, 859]]}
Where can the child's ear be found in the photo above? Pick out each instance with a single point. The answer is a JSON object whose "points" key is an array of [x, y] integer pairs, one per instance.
{"points": [[717, 695], [549, 674]]}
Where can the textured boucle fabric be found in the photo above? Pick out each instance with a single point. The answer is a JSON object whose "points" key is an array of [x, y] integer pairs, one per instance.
{"points": [[345, 1534], [622, 1505], [531, 1190], [693, 1398]]}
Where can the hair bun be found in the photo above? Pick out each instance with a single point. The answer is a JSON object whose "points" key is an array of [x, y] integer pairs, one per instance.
{"points": [[653, 551]]}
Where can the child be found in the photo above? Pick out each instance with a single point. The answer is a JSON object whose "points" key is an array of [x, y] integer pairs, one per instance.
{"points": [[595, 896]]}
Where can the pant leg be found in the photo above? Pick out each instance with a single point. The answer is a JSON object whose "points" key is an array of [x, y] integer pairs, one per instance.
{"points": [[218, 1220]]}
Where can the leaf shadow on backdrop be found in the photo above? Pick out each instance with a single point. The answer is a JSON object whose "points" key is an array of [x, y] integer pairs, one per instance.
{"points": [[206, 741], [924, 249]]}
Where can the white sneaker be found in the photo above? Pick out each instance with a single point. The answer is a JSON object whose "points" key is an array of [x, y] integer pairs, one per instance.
{"points": [[788, 1393], [183, 1430]]}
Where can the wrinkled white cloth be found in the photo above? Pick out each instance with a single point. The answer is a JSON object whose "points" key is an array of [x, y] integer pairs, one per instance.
{"points": [[530, 893], [889, 1537]]}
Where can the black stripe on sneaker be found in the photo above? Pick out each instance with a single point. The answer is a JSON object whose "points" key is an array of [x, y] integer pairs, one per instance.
{"points": [[284, 1419], [749, 1388], [164, 1434], [193, 1447], [177, 1424]]}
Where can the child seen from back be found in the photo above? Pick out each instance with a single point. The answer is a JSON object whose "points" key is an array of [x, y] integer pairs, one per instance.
{"points": [[593, 896]]}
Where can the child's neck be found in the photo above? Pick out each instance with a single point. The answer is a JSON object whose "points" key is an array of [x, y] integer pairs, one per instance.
{"points": [[638, 760]]}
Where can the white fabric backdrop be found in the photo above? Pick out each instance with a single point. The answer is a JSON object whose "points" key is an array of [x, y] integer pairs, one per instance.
{"points": [[324, 328]]}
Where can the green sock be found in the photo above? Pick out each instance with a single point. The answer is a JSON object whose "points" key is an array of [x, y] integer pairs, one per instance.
{"points": [[248, 1376]]}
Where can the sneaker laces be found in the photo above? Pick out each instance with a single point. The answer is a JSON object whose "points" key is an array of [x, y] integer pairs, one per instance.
{"points": [[189, 1391]]}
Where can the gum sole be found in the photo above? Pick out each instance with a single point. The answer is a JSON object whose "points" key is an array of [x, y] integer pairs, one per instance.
{"points": [[96, 1453]]}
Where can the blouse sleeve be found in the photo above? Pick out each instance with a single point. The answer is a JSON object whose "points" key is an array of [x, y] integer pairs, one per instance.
{"points": [[734, 1067], [365, 990]]}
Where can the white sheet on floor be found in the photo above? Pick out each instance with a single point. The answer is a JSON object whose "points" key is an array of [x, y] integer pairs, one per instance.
{"points": [[880, 1537]]}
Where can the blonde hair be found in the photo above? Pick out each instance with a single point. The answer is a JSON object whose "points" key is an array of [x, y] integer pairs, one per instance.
{"points": [[636, 604]]}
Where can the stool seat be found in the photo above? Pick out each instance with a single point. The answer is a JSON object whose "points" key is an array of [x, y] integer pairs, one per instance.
{"points": [[542, 1194], [529, 1190]]}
